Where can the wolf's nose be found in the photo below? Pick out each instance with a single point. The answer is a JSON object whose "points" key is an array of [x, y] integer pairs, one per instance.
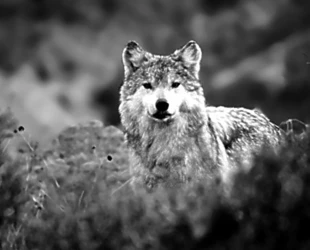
{"points": [[162, 105]]}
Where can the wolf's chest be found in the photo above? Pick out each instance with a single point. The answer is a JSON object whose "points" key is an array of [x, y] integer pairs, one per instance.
{"points": [[171, 150]]}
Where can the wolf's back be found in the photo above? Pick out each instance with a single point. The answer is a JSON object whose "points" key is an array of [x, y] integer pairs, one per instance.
{"points": [[236, 123]]}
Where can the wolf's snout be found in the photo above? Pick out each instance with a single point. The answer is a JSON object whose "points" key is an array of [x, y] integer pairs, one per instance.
{"points": [[161, 113], [162, 105]]}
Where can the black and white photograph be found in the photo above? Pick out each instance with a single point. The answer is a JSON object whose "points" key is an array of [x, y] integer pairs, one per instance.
{"points": [[154, 124]]}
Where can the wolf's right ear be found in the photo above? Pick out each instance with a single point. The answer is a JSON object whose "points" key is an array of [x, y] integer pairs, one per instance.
{"points": [[133, 57]]}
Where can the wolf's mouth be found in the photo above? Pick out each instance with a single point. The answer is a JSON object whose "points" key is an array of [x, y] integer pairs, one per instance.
{"points": [[161, 116]]}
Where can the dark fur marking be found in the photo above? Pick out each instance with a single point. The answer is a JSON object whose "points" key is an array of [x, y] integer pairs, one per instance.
{"points": [[235, 136]]}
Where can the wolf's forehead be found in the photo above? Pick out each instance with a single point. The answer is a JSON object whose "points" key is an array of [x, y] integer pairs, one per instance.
{"points": [[159, 66]]}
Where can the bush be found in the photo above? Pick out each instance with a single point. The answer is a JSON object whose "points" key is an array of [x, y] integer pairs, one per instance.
{"points": [[76, 195]]}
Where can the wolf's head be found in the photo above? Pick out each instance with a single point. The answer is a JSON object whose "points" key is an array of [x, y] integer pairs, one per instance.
{"points": [[161, 88]]}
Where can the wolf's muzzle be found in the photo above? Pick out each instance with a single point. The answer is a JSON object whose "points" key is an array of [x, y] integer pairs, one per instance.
{"points": [[161, 113]]}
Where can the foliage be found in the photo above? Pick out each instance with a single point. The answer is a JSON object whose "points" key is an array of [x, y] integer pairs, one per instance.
{"points": [[77, 195]]}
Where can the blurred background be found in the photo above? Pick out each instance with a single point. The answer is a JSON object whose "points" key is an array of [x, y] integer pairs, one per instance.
{"points": [[60, 60]]}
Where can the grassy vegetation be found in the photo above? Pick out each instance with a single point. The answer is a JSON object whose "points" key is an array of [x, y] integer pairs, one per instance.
{"points": [[76, 195]]}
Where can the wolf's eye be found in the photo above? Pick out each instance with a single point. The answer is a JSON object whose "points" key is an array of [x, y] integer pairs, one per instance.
{"points": [[175, 84], [147, 85]]}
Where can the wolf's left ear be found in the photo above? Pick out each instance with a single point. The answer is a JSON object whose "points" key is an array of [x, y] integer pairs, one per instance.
{"points": [[190, 55], [133, 57]]}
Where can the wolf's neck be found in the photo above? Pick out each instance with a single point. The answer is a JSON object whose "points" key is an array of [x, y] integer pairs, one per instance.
{"points": [[159, 140]]}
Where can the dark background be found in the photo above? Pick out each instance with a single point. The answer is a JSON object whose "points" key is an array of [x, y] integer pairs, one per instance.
{"points": [[60, 60]]}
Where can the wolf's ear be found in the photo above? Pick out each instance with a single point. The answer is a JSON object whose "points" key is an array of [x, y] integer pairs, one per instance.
{"points": [[190, 55], [133, 57]]}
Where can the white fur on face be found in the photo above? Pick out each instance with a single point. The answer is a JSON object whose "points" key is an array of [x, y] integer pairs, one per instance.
{"points": [[175, 98]]}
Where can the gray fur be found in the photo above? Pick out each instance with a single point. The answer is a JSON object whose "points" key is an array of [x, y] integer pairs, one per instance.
{"points": [[198, 141]]}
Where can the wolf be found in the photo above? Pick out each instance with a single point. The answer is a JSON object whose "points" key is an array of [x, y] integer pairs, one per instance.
{"points": [[173, 135]]}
